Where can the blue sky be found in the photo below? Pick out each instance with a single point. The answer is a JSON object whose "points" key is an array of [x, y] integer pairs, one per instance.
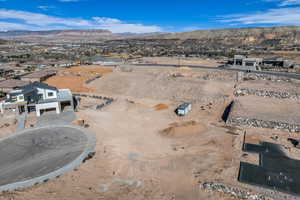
{"points": [[142, 16]]}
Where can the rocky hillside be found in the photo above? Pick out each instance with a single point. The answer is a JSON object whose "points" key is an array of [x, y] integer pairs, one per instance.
{"points": [[268, 42], [59, 35], [265, 41], [288, 35]]}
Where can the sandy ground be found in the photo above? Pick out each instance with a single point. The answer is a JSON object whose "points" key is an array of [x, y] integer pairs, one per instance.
{"points": [[268, 109], [145, 151], [177, 85], [134, 161]]}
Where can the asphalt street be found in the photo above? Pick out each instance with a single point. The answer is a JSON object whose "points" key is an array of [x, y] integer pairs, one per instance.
{"points": [[38, 152]]}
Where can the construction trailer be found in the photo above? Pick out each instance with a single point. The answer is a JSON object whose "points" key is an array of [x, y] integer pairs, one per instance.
{"points": [[184, 109]]}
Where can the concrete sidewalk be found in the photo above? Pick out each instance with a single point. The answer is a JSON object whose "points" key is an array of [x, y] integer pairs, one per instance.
{"points": [[21, 122]]}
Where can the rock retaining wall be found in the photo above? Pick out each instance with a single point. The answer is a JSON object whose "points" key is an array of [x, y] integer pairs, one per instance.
{"points": [[265, 93], [108, 100], [255, 76], [256, 123]]}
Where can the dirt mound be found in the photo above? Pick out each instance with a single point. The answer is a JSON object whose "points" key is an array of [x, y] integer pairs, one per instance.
{"points": [[161, 107], [184, 129]]}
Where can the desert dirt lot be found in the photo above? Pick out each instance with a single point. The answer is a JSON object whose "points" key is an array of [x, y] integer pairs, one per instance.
{"points": [[74, 78], [145, 151]]}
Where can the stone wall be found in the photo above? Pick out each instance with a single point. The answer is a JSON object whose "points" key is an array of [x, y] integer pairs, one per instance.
{"points": [[255, 76], [265, 93], [257, 123], [108, 100]]}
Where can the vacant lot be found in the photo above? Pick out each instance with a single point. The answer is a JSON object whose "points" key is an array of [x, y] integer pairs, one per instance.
{"points": [[75, 78], [177, 85], [145, 151]]}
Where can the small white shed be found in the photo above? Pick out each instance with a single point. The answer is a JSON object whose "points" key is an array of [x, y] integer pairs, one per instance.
{"points": [[184, 109]]}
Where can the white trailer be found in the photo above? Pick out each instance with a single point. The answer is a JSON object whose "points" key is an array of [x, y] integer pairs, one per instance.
{"points": [[184, 109]]}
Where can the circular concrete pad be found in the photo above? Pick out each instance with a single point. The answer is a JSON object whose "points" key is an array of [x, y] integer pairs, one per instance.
{"points": [[37, 155]]}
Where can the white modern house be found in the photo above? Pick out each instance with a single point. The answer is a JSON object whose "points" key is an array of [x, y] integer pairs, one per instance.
{"points": [[244, 63], [37, 97]]}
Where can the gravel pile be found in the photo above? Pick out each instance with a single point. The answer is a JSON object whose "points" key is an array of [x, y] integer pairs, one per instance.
{"points": [[236, 192]]}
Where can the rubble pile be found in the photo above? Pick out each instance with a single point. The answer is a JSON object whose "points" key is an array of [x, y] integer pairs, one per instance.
{"points": [[236, 192]]}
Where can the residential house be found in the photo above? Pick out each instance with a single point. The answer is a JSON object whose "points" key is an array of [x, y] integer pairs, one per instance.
{"points": [[37, 97]]}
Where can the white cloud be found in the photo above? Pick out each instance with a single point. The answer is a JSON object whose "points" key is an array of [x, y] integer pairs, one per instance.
{"points": [[37, 21], [282, 3], [280, 16], [290, 2], [4, 26]]}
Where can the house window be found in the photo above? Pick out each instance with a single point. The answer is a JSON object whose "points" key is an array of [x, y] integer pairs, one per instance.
{"points": [[40, 96], [50, 94]]}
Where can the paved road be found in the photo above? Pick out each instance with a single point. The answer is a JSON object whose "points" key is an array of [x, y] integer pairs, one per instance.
{"points": [[38, 152], [289, 75]]}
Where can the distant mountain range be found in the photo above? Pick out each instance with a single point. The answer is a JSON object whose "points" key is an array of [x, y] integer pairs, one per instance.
{"points": [[59, 35], [289, 35], [265, 36]]}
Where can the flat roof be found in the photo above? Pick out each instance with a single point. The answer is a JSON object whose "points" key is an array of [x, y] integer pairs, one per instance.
{"points": [[239, 57], [253, 59], [184, 106]]}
